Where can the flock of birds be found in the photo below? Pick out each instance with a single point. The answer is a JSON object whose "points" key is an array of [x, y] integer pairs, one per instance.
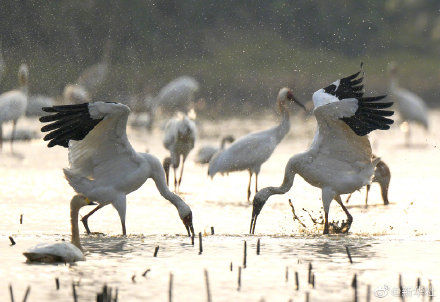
{"points": [[104, 168]]}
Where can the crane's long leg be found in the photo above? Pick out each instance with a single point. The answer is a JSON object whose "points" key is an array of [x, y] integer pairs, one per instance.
{"points": [[86, 217], [256, 183], [366, 195], [249, 187], [175, 178], [349, 217], [181, 171], [327, 196], [1, 137], [14, 125]]}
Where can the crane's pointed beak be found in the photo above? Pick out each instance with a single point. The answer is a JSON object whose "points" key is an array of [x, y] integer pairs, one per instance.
{"points": [[187, 221], [253, 222], [295, 100]]}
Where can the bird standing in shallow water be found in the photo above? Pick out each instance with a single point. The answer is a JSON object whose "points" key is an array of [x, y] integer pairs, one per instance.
{"points": [[339, 160], [104, 167], [13, 103], [180, 137], [412, 109], [251, 151], [62, 251], [204, 154]]}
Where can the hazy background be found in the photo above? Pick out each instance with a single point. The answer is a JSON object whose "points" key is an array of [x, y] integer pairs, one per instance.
{"points": [[241, 52]]}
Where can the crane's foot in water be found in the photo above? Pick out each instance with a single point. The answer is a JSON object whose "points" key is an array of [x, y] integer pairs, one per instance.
{"points": [[86, 225]]}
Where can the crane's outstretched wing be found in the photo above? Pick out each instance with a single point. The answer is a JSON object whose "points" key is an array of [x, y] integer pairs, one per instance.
{"points": [[344, 100], [96, 136]]}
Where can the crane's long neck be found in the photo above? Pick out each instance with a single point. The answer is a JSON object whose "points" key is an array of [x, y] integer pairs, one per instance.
{"points": [[284, 127], [74, 224], [158, 176], [289, 175]]}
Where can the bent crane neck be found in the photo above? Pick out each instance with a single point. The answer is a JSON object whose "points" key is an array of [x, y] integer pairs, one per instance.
{"points": [[75, 230], [284, 127], [289, 175]]}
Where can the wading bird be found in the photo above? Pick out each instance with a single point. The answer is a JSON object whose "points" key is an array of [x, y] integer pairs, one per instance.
{"points": [[104, 167], [412, 109], [339, 160], [382, 176], [176, 96], [180, 137], [204, 154], [251, 151], [62, 251], [13, 103]]}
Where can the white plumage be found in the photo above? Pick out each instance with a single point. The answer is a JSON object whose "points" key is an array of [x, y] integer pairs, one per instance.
{"points": [[179, 139], [205, 153], [176, 96], [75, 94], [13, 103], [251, 151], [62, 251], [411, 108], [339, 160], [36, 103], [103, 165]]}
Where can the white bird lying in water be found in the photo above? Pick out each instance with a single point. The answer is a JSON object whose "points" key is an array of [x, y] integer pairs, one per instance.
{"points": [[205, 153], [339, 160], [104, 167], [62, 251]]}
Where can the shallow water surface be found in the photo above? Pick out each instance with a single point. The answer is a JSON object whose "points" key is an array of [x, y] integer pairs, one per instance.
{"points": [[384, 241]]}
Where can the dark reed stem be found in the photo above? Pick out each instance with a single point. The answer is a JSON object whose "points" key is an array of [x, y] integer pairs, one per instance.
{"points": [[57, 283], [286, 274], [26, 295], [258, 246], [348, 254], [239, 278], [12, 240], [354, 286], [11, 293], [212, 230], [75, 297], [170, 288], [296, 281], [200, 243], [208, 290], [21, 218], [244, 254], [156, 250]]}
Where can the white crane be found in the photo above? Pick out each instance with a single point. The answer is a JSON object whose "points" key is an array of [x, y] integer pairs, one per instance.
{"points": [[103, 165], [382, 175], [92, 77], [412, 109], [180, 137], [62, 251], [89, 80], [251, 151], [75, 94], [176, 96], [205, 153], [13, 103], [339, 160]]}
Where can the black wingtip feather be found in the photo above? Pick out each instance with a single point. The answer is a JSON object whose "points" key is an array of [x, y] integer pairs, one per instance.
{"points": [[69, 122]]}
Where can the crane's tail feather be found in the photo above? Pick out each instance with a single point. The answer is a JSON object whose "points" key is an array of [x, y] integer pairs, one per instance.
{"points": [[79, 183]]}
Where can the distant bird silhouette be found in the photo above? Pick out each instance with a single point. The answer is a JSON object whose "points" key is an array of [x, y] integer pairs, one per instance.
{"points": [[251, 151], [180, 137], [412, 109], [13, 103], [205, 153], [177, 96]]}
